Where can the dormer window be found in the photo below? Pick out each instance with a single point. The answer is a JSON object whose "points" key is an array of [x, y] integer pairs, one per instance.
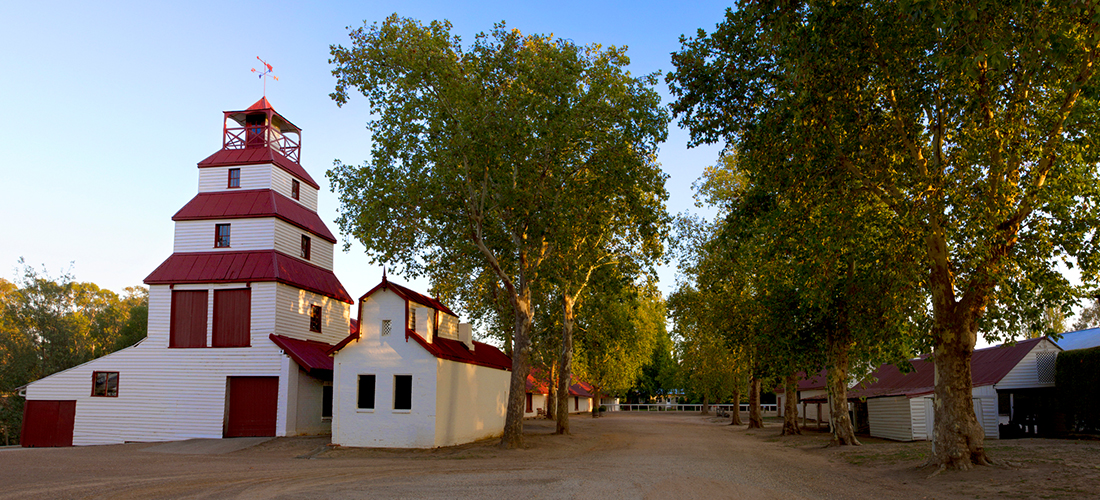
{"points": [[234, 177], [221, 235], [305, 247], [295, 189]]}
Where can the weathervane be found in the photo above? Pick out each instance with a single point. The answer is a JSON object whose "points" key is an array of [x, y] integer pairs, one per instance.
{"points": [[267, 69]]}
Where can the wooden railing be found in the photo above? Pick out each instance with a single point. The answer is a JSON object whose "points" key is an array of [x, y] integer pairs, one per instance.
{"points": [[260, 136], [766, 408]]}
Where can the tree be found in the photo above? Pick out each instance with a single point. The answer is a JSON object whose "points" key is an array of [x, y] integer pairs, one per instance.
{"points": [[475, 152], [48, 325], [1090, 317], [971, 122]]}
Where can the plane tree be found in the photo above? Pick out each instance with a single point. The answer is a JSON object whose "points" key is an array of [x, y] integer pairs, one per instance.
{"points": [[474, 151], [972, 123]]}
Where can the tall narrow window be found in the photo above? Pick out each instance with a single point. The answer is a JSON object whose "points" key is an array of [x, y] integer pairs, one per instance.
{"points": [[188, 319], [232, 313], [295, 189], [315, 319], [221, 235], [385, 328], [402, 392], [234, 177], [305, 247], [326, 401], [105, 384], [366, 392]]}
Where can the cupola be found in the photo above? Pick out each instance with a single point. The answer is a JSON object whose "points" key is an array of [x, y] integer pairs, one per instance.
{"points": [[260, 126]]}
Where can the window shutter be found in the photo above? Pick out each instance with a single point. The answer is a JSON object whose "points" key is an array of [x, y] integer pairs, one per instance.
{"points": [[232, 317], [188, 318]]}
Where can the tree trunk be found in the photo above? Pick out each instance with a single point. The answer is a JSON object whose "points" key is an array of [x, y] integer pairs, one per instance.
{"points": [[736, 419], [706, 406], [839, 421], [790, 405], [565, 374], [958, 440], [513, 421], [756, 420], [552, 392]]}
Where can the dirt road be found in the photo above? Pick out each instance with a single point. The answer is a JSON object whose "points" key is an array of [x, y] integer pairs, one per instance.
{"points": [[622, 455]]}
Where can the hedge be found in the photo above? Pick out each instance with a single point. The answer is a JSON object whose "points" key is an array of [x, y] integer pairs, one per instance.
{"points": [[1077, 377]]}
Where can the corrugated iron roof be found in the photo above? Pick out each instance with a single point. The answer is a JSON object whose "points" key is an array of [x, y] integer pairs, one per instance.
{"points": [[409, 295], [537, 381], [311, 355], [253, 156], [482, 355], [817, 381], [251, 204], [1081, 339], [259, 265], [987, 366]]}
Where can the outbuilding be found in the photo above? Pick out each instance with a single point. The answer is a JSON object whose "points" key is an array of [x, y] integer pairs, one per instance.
{"points": [[413, 377]]}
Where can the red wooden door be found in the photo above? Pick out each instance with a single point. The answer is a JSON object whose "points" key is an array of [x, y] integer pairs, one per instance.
{"points": [[253, 406], [48, 423]]}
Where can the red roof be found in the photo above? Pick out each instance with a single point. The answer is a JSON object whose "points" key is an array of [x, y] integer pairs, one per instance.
{"points": [[261, 104], [311, 355], [817, 381], [354, 335], [253, 156], [409, 295], [260, 265], [251, 204], [987, 366], [482, 355], [537, 384]]}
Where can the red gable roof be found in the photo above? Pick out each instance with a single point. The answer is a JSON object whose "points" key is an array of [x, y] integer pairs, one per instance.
{"points": [[260, 265], [537, 384], [261, 104], [988, 366], [253, 156], [482, 355], [251, 204], [817, 381], [311, 355], [409, 295]]}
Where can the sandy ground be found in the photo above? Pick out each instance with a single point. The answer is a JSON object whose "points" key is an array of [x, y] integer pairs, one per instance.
{"points": [[622, 455]]}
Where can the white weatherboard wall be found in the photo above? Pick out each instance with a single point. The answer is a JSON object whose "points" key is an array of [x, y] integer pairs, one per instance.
{"points": [[1026, 373], [471, 402], [890, 418], [384, 357], [163, 394], [264, 176], [291, 312]]}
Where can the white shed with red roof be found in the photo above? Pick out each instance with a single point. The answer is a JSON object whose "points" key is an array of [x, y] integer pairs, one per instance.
{"points": [[242, 315], [413, 377]]}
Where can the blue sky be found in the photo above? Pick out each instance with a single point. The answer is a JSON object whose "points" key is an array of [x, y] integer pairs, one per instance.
{"points": [[107, 107]]}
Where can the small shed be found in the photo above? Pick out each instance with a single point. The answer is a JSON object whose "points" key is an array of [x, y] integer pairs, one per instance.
{"points": [[900, 405], [413, 377]]}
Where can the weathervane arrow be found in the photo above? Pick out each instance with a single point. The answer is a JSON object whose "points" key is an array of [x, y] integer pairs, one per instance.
{"points": [[262, 73]]}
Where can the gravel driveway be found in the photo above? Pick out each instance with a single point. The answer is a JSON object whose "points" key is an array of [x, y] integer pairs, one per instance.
{"points": [[622, 455]]}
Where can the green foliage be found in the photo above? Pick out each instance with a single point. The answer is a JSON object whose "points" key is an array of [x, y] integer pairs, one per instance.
{"points": [[48, 325], [1077, 377]]}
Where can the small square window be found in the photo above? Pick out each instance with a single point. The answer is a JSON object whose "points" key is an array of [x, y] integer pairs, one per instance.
{"points": [[402, 392], [315, 319], [305, 247], [221, 236], [234, 177], [385, 328], [366, 392], [105, 384], [295, 189]]}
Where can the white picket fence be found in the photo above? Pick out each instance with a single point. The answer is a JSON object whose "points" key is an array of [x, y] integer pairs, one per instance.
{"points": [[685, 407]]}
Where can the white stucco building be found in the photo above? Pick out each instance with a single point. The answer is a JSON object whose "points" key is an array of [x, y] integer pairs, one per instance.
{"points": [[241, 315], [413, 377]]}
